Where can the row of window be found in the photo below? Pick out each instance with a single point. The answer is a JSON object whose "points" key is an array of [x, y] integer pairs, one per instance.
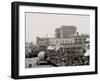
{"points": [[68, 41], [62, 41]]}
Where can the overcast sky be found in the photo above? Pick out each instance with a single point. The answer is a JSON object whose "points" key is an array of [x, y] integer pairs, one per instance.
{"points": [[39, 24]]}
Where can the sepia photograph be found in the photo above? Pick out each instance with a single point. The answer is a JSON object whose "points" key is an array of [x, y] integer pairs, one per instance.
{"points": [[56, 40], [50, 40]]}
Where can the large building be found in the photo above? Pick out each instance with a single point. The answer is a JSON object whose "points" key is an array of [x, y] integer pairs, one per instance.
{"points": [[42, 41], [65, 32], [65, 37]]}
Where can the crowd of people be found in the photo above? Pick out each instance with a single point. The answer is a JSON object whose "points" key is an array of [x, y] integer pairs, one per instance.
{"points": [[65, 59], [62, 58]]}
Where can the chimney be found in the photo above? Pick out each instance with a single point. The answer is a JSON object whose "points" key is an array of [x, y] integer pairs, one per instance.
{"points": [[77, 33]]}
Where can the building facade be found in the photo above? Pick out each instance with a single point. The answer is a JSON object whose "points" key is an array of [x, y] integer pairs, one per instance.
{"points": [[65, 32], [59, 41], [66, 37], [42, 41], [81, 38]]}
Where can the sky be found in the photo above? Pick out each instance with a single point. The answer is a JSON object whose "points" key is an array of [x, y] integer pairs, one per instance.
{"points": [[44, 24]]}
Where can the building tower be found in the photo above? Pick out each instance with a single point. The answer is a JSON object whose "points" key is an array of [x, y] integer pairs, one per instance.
{"points": [[65, 32]]}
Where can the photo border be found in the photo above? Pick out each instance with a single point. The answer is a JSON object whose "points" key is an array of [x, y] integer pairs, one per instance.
{"points": [[15, 39]]}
